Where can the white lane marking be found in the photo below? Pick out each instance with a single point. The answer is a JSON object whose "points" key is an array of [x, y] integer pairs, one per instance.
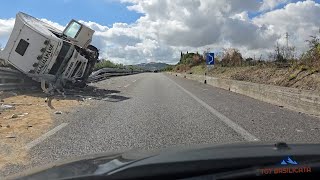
{"points": [[245, 134], [134, 81], [45, 136], [126, 85]]}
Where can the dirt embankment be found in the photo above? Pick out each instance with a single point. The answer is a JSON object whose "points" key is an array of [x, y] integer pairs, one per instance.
{"points": [[298, 77], [23, 118]]}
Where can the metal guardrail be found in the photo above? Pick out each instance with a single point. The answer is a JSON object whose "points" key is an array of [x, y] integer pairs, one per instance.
{"points": [[106, 73], [11, 79]]}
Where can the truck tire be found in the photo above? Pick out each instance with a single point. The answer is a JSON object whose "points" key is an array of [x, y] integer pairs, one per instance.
{"points": [[94, 49]]}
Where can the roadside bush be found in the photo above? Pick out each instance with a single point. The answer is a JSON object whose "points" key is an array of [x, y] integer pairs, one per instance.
{"points": [[108, 64], [231, 57], [311, 59]]}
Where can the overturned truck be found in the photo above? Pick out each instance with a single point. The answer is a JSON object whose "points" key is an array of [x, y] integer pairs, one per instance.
{"points": [[57, 59]]}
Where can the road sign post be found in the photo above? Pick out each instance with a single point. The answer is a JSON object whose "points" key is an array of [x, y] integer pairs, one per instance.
{"points": [[210, 64]]}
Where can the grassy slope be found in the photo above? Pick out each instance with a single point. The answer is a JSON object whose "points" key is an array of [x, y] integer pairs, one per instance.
{"points": [[289, 77]]}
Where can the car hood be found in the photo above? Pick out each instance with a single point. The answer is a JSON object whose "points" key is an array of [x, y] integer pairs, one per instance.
{"points": [[105, 163]]}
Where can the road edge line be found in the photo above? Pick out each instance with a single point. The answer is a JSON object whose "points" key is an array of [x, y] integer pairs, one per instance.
{"points": [[45, 136], [237, 128]]}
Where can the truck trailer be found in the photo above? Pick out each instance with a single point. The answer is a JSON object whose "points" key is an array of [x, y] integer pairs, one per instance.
{"points": [[57, 59]]}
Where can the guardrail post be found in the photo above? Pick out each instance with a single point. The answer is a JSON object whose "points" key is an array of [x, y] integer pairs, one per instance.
{"points": [[205, 77]]}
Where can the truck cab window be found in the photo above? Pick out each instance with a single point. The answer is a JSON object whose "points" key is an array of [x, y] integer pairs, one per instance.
{"points": [[72, 30], [22, 47]]}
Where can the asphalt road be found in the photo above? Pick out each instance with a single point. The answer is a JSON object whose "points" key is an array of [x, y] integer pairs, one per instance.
{"points": [[155, 110]]}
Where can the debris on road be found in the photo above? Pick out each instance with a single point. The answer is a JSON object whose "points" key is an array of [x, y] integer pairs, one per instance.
{"points": [[26, 117], [11, 136], [14, 116], [58, 112], [6, 107], [12, 93]]}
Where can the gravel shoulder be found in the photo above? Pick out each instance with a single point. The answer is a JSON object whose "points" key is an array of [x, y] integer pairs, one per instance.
{"points": [[25, 116]]}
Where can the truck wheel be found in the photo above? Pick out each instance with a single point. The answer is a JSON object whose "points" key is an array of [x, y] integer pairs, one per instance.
{"points": [[94, 49]]}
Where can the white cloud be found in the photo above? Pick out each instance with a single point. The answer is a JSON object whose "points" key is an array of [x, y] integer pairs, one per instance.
{"points": [[54, 24], [6, 26], [168, 27], [299, 19], [271, 4]]}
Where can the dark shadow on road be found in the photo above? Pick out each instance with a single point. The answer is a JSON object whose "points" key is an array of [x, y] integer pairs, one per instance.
{"points": [[79, 94], [89, 93]]}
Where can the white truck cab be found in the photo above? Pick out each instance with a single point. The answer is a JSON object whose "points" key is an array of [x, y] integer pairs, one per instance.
{"points": [[58, 58]]}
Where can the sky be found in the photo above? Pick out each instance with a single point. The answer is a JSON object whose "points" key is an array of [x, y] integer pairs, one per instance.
{"points": [[140, 31]]}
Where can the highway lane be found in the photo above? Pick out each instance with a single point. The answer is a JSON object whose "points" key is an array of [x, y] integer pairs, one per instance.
{"points": [[154, 110]]}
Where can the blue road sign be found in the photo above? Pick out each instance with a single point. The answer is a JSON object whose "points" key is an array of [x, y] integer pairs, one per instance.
{"points": [[210, 59]]}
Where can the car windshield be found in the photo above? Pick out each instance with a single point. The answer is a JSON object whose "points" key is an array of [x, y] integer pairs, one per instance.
{"points": [[85, 77]]}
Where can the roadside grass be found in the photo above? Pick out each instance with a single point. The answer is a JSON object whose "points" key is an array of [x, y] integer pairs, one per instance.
{"points": [[199, 70], [292, 77]]}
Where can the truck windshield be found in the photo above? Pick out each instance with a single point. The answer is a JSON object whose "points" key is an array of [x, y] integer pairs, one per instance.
{"points": [[72, 29]]}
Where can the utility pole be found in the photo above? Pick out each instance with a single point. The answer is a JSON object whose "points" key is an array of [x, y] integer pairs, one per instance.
{"points": [[286, 53], [287, 39]]}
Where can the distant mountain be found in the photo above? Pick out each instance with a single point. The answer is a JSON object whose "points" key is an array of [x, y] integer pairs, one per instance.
{"points": [[152, 66]]}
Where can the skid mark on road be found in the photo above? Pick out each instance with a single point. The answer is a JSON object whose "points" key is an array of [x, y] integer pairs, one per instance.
{"points": [[45, 136], [237, 128]]}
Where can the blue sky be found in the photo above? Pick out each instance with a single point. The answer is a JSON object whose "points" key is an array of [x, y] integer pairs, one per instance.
{"points": [[104, 12]]}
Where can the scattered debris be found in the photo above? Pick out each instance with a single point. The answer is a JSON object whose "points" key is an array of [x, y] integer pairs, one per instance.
{"points": [[6, 107], [14, 116], [22, 104], [13, 93], [58, 112], [11, 136], [22, 114]]}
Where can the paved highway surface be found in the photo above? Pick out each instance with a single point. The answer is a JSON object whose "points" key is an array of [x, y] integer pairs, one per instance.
{"points": [[155, 110]]}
